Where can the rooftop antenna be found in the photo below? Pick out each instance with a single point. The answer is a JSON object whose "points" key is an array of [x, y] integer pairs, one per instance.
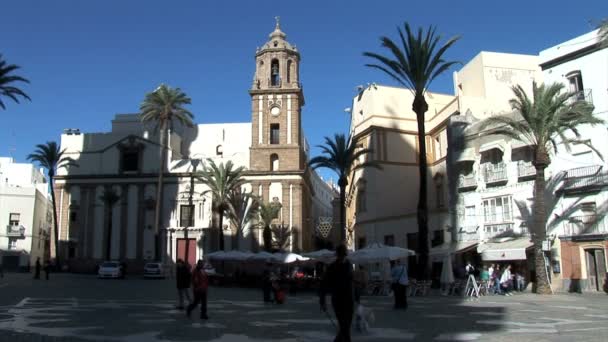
{"points": [[12, 147]]}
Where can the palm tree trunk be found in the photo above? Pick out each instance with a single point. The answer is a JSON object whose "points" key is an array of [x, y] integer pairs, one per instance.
{"points": [[221, 228], [56, 224], [342, 184], [109, 241], [539, 232], [159, 187], [267, 236], [420, 107]]}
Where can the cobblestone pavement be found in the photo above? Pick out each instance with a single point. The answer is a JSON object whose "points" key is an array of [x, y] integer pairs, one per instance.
{"points": [[83, 308]]}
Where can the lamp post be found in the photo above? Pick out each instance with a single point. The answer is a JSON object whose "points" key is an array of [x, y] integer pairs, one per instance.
{"points": [[194, 163]]}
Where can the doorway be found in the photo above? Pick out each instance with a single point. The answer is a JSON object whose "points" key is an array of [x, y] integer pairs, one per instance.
{"points": [[181, 250], [596, 268]]}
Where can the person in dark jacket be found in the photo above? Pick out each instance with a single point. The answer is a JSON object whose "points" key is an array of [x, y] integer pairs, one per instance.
{"points": [[182, 277], [47, 270], [338, 281], [200, 284], [266, 283], [37, 269]]}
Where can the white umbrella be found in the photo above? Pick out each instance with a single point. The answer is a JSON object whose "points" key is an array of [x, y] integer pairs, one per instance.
{"points": [[262, 256], [322, 254], [447, 273], [378, 252], [237, 255], [219, 255], [287, 258]]}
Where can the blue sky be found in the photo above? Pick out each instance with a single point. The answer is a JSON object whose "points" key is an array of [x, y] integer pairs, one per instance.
{"points": [[88, 60]]}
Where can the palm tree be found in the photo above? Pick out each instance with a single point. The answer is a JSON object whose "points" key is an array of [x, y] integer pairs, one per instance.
{"points": [[163, 106], [243, 210], [550, 114], [415, 64], [50, 157], [342, 157], [7, 80], [267, 213], [222, 180], [109, 198]]}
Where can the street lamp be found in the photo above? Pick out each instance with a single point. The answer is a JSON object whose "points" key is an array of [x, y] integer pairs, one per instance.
{"points": [[194, 163]]}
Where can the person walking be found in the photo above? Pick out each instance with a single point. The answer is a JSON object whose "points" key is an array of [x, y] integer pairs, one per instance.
{"points": [[37, 269], [506, 281], [266, 283], [496, 280], [338, 281], [360, 281], [182, 278], [200, 284], [47, 269], [400, 282]]}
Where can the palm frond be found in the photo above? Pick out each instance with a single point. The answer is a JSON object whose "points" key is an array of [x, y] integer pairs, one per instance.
{"points": [[7, 81], [416, 62]]}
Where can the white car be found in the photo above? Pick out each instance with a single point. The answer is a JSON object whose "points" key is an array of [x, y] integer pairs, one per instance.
{"points": [[110, 269], [154, 270]]}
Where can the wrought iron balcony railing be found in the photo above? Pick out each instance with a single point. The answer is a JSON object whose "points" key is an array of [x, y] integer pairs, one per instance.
{"points": [[585, 225], [495, 173], [467, 181], [493, 229], [15, 231], [525, 169], [581, 95]]}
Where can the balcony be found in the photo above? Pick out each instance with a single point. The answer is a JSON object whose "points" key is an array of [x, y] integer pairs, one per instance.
{"points": [[15, 231], [495, 174], [467, 181], [493, 229], [585, 179], [525, 170], [581, 95], [585, 225]]}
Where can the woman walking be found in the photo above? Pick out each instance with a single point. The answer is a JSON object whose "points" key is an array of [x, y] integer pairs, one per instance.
{"points": [[200, 284]]}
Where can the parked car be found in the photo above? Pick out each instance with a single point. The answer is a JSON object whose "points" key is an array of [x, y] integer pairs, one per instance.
{"points": [[111, 269], [154, 270]]}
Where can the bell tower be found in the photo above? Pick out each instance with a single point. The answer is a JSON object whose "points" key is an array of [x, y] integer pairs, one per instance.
{"points": [[277, 100]]}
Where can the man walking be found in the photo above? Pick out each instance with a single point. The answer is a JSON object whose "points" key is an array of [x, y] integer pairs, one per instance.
{"points": [[400, 282], [338, 281], [200, 284], [47, 269], [37, 269], [182, 277]]}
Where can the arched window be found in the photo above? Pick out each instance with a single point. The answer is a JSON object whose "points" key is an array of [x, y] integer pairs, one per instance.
{"points": [[274, 73], [289, 71], [274, 162]]}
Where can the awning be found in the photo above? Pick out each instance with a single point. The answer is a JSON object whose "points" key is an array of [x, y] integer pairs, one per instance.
{"points": [[468, 154], [508, 249], [452, 248], [491, 145], [519, 144]]}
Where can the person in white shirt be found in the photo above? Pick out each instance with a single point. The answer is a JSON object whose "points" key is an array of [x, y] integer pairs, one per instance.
{"points": [[506, 281], [491, 271], [400, 283], [469, 269]]}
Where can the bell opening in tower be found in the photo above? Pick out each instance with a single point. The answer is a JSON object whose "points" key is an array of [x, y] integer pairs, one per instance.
{"points": [[275, 79]]}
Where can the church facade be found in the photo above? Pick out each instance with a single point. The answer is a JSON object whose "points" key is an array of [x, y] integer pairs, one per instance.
{"points": [[272, 148]]}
